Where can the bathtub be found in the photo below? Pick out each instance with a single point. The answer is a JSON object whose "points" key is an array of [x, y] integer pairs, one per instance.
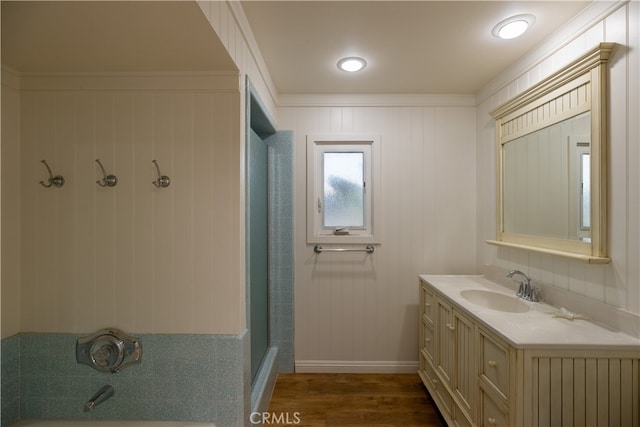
{"points": [[109, 423]]}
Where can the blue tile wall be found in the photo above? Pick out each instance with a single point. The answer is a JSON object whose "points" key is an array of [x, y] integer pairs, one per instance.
{"points": [[10, 389], [281, 189], [181, 377]]}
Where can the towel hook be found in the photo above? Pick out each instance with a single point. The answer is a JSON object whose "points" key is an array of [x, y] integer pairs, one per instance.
{"points": [[107, 180], [56, 181], [163, 181]]}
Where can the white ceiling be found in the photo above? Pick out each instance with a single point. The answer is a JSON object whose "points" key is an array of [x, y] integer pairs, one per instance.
{"points": [[109, 36], [412, 47]]}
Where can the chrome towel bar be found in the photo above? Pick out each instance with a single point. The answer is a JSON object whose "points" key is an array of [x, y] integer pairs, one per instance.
{"points": [[368, 249]]}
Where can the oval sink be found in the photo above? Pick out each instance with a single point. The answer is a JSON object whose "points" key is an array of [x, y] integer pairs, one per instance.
{"points": [[495, 301]]}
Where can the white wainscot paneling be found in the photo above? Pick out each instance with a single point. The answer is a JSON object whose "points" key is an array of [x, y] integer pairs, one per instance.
{"points": [[356, 312], [134, 256]]}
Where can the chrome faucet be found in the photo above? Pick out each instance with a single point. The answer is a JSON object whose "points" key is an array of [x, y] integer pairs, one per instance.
{"points": [[101, 395], [525, 290]]}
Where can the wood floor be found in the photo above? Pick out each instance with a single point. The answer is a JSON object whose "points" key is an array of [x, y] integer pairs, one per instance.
{"points": [[316, 400]]}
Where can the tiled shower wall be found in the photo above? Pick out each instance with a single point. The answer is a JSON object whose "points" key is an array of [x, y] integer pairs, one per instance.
{"points": [[181, 377]]}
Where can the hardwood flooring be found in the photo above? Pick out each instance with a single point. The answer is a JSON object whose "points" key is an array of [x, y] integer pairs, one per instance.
{"points": [[318, 400]]}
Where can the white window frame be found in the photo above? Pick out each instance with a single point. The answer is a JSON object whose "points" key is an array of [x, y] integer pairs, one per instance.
{"points": [[317, 145]]}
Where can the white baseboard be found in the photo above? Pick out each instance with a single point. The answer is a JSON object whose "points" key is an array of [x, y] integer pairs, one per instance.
{"points": [[356, 367]]}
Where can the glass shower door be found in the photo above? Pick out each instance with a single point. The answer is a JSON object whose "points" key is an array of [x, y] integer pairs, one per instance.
{"points": [[258, 250]]}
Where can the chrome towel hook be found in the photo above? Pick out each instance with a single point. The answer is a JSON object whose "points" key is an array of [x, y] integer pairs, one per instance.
{"points": [[57, 181], [107, 180], [163, 181]]}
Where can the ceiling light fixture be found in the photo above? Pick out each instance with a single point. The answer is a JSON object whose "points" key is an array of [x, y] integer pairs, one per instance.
{"points": [[513, 27], [352, 64]]}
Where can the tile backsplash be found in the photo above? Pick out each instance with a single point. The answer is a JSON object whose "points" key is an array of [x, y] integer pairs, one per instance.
{"points": [[181, 377]]}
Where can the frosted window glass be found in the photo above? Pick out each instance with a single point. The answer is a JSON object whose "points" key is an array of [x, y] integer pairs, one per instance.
{"points": [[343, 189]]}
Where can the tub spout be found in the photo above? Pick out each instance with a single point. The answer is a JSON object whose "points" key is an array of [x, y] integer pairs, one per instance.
{"points": [[103, 394]]}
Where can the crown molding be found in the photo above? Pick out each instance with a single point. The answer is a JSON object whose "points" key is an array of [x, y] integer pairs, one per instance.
{"points": [[376, 100], [142, 81]]}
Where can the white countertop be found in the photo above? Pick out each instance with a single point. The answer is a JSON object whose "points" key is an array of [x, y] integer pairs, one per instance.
{"points": [[537, 328]]}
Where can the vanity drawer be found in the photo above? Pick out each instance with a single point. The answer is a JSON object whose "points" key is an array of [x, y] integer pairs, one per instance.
{"points": [[428, 299], [494, 366], [460, 418], [427, 341], [492, 414]]}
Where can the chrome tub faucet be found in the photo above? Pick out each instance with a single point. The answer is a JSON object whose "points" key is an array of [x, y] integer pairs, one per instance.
{"points": [[101, 395]]}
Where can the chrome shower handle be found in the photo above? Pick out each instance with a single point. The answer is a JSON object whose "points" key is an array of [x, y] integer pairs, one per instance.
{"points": [[107, 180]]}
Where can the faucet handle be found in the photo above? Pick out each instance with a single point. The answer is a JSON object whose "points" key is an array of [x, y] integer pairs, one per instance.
{"points": [[520, 292]]}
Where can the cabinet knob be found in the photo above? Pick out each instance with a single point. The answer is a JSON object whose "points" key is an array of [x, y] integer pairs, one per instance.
{"points": [[491, 421], [451, 327], [492, 363]]}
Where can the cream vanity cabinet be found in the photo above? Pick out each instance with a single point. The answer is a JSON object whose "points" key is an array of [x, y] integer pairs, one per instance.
{"points": [[447, 337], [479, 377]]}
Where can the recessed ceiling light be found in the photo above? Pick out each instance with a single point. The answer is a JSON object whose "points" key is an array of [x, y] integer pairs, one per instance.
{"points": [[513, 27], [352, 64]]}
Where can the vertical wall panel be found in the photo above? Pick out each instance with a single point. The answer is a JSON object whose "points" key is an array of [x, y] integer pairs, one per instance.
{"points": [[84, 186], [133, 256], [11, 209], [105, 209], [355, 309], [124, 256], [585, 391], [145, 313], [567, 401], [162, 206], [591, 384], [65, 136], [203, 204], [182, 192], [579, 398]]}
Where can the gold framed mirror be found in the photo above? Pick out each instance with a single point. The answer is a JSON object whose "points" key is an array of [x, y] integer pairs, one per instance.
{"points": [[551, 160]]}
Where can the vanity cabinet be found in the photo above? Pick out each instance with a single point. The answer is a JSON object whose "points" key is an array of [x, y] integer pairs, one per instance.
{"points": [[446, 340], [478, 375]]}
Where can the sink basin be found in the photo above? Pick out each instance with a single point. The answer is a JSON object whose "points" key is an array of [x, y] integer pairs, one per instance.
{"points": [[495, 301]]}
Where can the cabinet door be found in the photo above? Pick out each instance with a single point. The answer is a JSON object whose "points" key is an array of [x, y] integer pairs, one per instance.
{"points": [[445, 339], [427, 299], [465, 380]]}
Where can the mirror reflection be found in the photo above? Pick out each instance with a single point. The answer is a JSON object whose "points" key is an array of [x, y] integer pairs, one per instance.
{"points": [[546, 181]]}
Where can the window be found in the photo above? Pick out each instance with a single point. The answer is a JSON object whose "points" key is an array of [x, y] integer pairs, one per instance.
{"points": [[342, 204]]}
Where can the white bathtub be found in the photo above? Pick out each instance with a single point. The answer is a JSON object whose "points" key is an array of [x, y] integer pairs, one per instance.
{"points": [[109, 423]]}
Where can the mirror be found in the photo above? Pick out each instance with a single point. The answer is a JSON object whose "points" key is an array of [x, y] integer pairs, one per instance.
{"points": [[551, 190], [546, 188]]}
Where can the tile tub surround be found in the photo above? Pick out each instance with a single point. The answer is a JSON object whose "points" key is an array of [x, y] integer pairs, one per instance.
{"points": [[10, 358], [181, 377]]}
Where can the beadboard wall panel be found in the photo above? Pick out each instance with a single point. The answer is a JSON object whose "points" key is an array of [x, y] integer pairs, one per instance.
{"points": [[615, 284], [356, 312], [230, 24], [133, 256], [11, 246]]}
